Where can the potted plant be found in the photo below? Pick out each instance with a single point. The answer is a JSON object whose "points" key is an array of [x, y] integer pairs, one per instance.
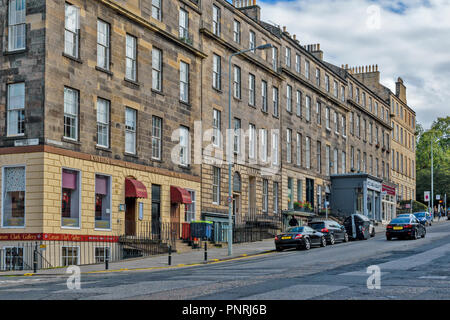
{"points": [[298, 205]]}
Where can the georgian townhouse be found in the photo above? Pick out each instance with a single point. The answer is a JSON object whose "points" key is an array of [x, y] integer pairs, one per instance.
{"points": [[97, 103]]}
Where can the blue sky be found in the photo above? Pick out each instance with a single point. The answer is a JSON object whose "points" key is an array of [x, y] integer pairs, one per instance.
{"points": [[408, 39]]}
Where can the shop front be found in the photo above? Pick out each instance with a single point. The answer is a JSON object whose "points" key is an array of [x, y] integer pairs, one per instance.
{"points": [[356, 193], [388, 202]]}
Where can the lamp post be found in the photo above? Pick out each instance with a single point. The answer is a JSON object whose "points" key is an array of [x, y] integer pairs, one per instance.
{"points": [[432, 191], [229, 146]]}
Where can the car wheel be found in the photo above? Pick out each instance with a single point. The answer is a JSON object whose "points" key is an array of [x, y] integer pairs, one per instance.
{"points": [[323, 242], [346, 237], [373, 233], [388, 238], [279, 249], [332, 240], [424, 233], [307, 245], [414, 236]]}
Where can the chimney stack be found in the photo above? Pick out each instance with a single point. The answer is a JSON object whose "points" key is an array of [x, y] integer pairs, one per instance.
{"points": [[249, 8]]}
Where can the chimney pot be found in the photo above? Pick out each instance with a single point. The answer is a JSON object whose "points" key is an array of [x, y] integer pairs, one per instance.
{"points": [[318, 46], [284, 28]]}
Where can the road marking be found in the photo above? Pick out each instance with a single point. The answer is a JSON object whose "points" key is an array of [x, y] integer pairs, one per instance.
{"points": [[296, 292], [434, 277]]}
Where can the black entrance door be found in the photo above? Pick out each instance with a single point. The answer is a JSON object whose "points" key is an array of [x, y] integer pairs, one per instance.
{"points": [[310, 191]]}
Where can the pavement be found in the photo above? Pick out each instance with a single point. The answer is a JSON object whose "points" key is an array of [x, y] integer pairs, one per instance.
{"points": [[409, 270], [187, 259]]}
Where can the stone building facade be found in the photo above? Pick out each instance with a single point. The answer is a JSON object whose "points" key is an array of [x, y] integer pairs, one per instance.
{"points": [[103, 103]]}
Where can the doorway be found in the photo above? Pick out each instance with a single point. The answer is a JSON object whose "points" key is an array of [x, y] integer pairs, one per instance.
{"points": [[130, 216], [175, 220]]}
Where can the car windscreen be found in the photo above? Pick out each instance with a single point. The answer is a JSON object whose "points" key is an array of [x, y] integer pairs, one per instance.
{"points": [[317, 225], [420, 214], [401, 220], [295, 229]]}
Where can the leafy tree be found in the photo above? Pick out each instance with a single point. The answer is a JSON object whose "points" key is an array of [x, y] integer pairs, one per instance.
{"points": [[440, 129]]}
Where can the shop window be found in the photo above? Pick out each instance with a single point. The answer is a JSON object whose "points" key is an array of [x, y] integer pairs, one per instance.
{"points": [[101, 254], [70, 256], [13, 197], [12, 258], [190, 208], [102, 202], [70, 206]]}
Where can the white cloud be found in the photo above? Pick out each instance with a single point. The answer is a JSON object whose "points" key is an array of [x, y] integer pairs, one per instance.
{"points": [[412, 42]]}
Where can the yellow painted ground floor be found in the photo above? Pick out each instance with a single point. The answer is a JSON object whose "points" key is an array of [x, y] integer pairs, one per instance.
{"points": [[52, 191]]}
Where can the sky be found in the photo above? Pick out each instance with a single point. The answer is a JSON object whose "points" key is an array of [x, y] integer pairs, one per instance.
{"points": [[408, 39]]}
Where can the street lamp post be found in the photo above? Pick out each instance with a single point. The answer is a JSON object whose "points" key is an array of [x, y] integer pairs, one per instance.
{"points": [[432, 191], [229, 147]]}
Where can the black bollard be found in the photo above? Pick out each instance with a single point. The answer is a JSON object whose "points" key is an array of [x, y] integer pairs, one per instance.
{"points": [[170, 255], [35, 258], [206, 251], [107, 263]]}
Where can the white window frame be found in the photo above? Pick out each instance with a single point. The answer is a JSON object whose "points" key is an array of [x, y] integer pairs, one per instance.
{"points": [[217, 127], [183, 23], [17, 28], [289, 145], [264, 96], [252, 141], [308, 152], [237, 82], [251, 89], [308, 108], [184, 82], [156, 69], [217, 72], [157, 139], [71, 36], [185, 153], [73, 117], [289, 98], [156, 10], [252, 41], [275, 142], [131, 58], [298, 63], [299, 149], [299, 103], [275, 101], [288, 57], [15, 109], [62, 256], [237, 31], [103, 44], [216, 20], [216, 186], [130, 130], [103, 121]]}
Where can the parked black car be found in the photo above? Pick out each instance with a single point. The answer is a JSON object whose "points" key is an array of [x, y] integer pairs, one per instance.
{"points": [[360, 229], [406, 227], [299, 238], [332, 230]]}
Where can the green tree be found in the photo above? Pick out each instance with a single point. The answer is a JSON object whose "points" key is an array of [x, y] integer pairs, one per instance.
{"points": [[441, 158]]}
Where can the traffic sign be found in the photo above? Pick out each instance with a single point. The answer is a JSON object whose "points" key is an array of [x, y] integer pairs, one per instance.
{"points": [[229, 199], [427, 196], [438, 197]]}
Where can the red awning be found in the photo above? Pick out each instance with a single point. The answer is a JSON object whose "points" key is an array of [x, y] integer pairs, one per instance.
{"points": [[179, 195], [135, 189]]}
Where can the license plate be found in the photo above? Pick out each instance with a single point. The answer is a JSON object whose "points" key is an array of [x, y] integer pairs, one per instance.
{"points": [[286, 238], [398, 228]]}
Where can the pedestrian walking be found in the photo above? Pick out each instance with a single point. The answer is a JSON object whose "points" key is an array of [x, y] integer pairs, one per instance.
{"points": [[293, 222]]}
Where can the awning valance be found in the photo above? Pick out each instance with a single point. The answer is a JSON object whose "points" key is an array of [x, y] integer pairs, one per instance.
{"points": [[179, 195], [135, 189]]}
